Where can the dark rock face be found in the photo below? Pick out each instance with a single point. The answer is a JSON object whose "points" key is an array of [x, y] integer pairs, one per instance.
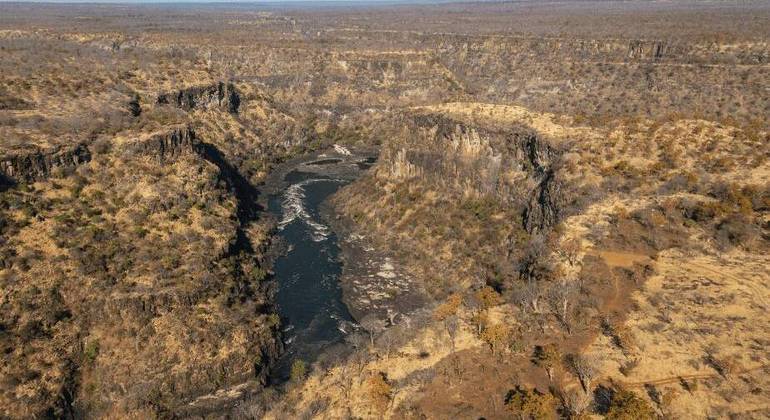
{"points": [[526, 148], [539, 154], [232, 98], [168, 145], [223, 95], [38, 165], [134, 107], [542, 211]]}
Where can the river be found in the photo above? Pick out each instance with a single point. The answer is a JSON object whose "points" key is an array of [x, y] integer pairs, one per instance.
{"points": [[309, 297]]}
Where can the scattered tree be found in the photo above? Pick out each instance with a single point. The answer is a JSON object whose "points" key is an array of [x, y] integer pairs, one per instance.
{"points": [[449, 307], [447, 314], [626, 405], [452, 325], [548, 358], [487, 297], [532, 295], [531, 404], [496, 335], [373, 326], [585, 367], [298, 370], [570, 250], [561, 297], [576, 403]]}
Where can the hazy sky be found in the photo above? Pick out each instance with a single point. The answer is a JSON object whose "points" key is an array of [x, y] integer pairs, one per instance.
{"points": [[234, 1], [256, 2]]}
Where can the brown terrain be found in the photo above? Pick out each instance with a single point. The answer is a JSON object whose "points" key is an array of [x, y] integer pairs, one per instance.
{"points": [[569, 216]]}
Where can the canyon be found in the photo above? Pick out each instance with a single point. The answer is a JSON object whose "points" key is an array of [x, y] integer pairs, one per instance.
{"points": [[458, 210]]}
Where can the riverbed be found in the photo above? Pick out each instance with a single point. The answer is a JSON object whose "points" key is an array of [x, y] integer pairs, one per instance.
{"points": [[309, 298]]}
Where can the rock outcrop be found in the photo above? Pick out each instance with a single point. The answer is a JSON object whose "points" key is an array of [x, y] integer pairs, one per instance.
{"points": [[492, 150], [167, 145], [39, 164], [542, 211], [134, 107], [222, 95]]}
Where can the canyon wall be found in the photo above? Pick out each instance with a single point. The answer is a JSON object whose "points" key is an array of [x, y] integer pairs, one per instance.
{"points": [[221, 94], [29, 166]]}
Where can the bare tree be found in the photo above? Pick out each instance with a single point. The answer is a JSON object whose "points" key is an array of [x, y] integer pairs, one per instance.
{"points": [[373, 326], [570, 251], [345, 379], [392, 339], [586, 369], [532, 295], [358, 361], [392, 317], [451, 324], [575, 402], [357, 340], [560, 298]]}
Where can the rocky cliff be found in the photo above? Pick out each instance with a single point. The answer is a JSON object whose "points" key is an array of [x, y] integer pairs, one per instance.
{"points": [[157, 312], [499, 188], [630, 50], [222, 95], [39, 164], [542, 210], [167, 144], [497, 151]]}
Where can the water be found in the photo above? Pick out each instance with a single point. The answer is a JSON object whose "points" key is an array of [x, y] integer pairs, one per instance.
{"points": [[309, 297]]}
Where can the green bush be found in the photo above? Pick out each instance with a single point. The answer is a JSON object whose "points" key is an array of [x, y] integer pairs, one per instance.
{"points": [[298, 370], [91, 351]]}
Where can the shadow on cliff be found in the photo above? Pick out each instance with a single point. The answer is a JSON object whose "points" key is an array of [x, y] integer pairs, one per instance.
{"points": [[247, 194], [248, 210], [6, 183]]}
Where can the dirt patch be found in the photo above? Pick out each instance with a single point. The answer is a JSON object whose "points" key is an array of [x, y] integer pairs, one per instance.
{"points": [[620, 259], [473, 383], [677, 322]]}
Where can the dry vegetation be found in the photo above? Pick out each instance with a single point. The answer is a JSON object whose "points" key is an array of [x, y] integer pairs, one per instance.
{"points": [[580, 188]]}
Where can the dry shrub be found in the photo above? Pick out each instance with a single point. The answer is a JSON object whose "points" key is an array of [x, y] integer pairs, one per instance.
{"points": [[487, 297], [626, 405], [629, 366], [724, 365], [736, 230], [496, 335], [379, 392], [531, 404], [449, 307], [620, 334]]}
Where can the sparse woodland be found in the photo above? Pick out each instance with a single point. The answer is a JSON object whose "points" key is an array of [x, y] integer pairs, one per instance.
{"points": [[580, 191]]}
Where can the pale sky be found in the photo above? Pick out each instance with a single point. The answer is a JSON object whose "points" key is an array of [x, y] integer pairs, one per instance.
{"points": [[238, 1]]}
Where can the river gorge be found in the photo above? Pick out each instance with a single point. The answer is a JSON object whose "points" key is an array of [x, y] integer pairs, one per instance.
{"points": [[309, 297]]}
